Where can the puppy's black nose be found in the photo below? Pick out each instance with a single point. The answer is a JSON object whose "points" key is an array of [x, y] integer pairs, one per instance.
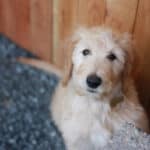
{"points": [[93, 81]]}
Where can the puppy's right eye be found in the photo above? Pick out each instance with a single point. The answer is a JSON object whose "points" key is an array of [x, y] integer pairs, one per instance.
{"points": [[111, 57], [86, 52]]}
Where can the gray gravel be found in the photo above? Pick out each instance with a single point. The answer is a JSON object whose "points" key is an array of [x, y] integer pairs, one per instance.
{"points": [[25, 121], [129, 138]]}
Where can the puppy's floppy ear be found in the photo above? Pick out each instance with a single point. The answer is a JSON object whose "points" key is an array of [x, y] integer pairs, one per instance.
{"points": [[131, 68], [126, 43], [68, 49]]}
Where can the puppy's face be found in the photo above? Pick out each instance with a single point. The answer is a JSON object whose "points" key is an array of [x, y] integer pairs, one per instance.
{"points": [[98, 61]]}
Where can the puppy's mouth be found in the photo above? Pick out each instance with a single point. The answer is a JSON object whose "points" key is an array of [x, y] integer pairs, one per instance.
{"points": [[91, 91]]}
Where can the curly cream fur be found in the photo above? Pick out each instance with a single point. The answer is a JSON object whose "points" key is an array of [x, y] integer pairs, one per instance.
{"points": [[87, 120]]}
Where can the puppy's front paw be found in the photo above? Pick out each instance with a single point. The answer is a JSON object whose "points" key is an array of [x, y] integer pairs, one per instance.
{"points": [[100, 137]]}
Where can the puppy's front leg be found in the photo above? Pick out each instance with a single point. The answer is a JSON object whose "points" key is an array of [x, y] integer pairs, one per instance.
{"points": [[99, 136], [80, 144]]}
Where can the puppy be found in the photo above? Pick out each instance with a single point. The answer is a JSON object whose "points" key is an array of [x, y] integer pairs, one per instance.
{"points": [[97, 94]]}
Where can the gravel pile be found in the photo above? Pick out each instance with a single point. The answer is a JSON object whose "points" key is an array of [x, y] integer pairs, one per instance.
{"points": [[129, 138], [25, 121]]}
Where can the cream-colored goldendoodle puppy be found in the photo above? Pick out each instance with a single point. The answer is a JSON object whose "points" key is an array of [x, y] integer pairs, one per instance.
{"points": [[97, 94]]}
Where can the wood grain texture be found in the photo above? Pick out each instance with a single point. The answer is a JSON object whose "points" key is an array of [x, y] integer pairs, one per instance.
{"points": [[66, 20], [15, 19], [91, 12], [21, 16], [41, 28], [121, 14], [8, 20], [28, 23], [142, 43], [1, 16]]}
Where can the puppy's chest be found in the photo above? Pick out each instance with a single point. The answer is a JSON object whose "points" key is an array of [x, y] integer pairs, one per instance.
{"points": [[89, 111], [86, 118]]}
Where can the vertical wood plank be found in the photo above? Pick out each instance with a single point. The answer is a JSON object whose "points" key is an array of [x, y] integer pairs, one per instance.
{"points": [[65, 13], [1, 17], [8, 21], [142, 40], [15, 21], [91, 12], [28, 23], [121, 14], [41, 28], [21, 15]]}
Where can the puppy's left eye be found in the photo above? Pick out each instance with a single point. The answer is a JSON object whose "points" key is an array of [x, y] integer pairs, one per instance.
{"points": [[86, 52], [112, 56]]}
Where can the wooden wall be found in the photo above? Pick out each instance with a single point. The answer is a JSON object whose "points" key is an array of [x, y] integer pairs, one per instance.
{"points": [[41, 25], [29, 23]]}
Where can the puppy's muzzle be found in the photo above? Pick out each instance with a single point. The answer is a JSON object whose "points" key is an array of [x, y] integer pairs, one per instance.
{"points": [[93, 81]]}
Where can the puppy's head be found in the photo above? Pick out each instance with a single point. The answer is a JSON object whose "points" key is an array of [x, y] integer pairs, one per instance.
{"points": [[99, 61]]}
